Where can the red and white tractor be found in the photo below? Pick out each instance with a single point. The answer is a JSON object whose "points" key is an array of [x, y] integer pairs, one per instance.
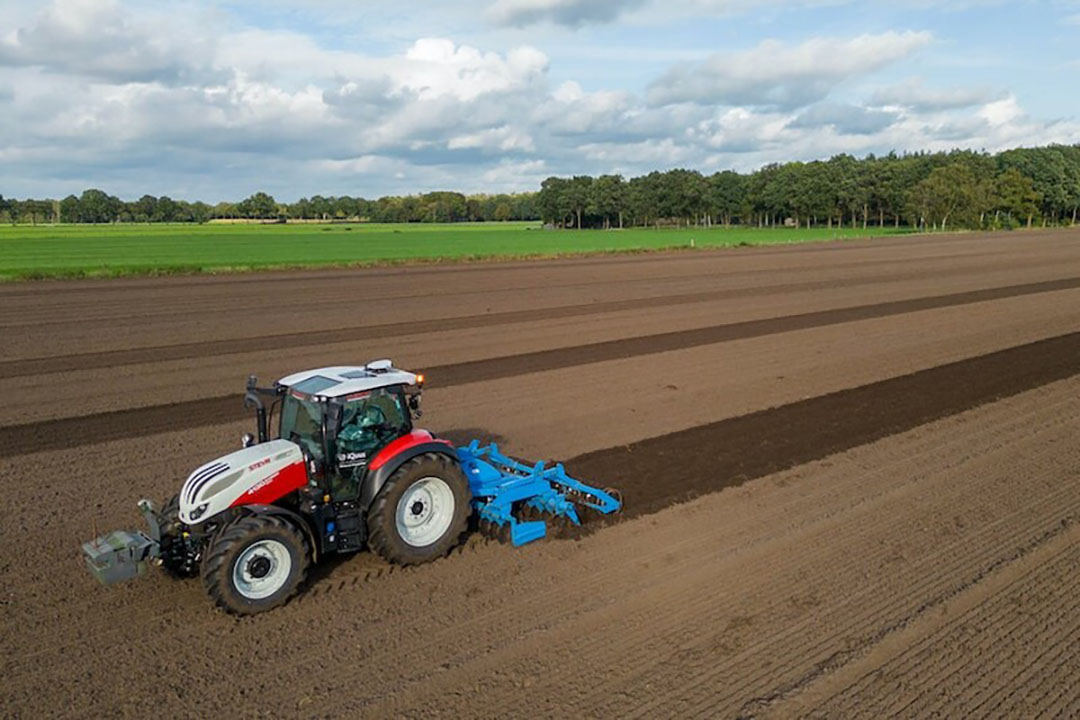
{"points": [[346, 470]]}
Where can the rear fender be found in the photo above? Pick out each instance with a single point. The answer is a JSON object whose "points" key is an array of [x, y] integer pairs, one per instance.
{"points": [[378, 476]]}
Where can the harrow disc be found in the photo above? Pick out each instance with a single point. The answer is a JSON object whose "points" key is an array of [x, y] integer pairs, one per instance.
{"points": [[557, 525], [617, 494], [495, 531]]}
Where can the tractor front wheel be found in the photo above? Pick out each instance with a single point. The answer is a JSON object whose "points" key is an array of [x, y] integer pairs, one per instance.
{"points": [[421, 512], [256, 564]]}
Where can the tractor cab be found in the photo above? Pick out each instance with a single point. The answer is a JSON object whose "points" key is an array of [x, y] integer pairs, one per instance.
{"points": [[341, 418]]}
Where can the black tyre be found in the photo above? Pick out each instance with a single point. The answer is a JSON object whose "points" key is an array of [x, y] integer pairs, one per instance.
{"points": [[421, 512], [255, 564]]}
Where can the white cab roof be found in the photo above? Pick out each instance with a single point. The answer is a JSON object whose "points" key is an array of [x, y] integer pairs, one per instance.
{"points": [[332, 382]]}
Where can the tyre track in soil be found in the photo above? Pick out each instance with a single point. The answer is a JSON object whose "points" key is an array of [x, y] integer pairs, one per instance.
{"points": [[999, 623], [140, 422], [974, 644], [951, 577], [802, 663], [24, 367], [751, 453], [860, 615], [695, 609], [965, 654], [679, 632]]}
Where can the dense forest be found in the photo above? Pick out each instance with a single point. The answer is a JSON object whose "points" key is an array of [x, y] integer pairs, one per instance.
{"points": [[925, 190], [958, 189]]}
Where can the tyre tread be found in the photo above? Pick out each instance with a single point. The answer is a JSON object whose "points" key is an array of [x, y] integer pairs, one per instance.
{"points": [[216, 574], [382, 533]]}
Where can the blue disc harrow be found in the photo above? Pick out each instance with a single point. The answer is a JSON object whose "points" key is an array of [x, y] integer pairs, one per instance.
{"points": [[508, 494]]}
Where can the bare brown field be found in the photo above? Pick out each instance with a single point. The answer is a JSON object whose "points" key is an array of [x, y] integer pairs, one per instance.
{"points": [[851, 476]]}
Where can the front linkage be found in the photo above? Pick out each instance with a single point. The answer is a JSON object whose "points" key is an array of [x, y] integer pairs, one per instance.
{"points": [[123, 554]]}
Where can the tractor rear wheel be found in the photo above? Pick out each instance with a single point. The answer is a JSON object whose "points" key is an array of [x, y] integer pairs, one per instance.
{"points": [[421, 512], [255, 564]]}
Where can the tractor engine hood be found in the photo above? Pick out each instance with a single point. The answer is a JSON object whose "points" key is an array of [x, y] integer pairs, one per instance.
{"points": [[256, 475]]}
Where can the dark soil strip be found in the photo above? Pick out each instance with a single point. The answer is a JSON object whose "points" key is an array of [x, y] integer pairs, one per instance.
{"points": [[139, 422], [662, 471], [159, 353]]}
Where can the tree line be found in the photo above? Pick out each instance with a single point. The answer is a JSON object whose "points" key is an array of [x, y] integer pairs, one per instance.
{"points": [[943, 190], [961, 188], [97, 206]]}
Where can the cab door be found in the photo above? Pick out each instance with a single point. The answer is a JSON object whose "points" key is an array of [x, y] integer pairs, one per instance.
{"points": [[367, 422]]}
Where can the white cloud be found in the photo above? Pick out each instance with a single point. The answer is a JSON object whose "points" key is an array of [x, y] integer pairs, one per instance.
{"points": [[1002, 112], [742, 131], [778, 75], [436, 67], [110, 41], [844, 118], [655, 153], [169, 104], [510, 176], [913, 94], [504, 139]]}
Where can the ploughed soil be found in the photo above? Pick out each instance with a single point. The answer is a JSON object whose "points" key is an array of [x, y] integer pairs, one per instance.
{"points": [[851, 475]]}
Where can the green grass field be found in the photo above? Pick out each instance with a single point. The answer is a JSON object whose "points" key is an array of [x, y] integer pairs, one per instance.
{"points": [[28, 252]]}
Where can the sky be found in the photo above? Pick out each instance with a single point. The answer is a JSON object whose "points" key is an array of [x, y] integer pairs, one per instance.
{"points": [[213, 101]]}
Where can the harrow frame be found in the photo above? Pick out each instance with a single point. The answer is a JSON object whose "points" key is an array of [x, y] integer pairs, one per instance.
{"points": [[501, 485]]}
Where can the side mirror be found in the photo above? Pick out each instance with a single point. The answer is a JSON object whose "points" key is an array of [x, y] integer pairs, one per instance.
{"points": [[247, 440]]}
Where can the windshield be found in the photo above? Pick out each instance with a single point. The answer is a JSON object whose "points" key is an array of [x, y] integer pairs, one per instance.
{"points": [[301, 423], [369, 420]]}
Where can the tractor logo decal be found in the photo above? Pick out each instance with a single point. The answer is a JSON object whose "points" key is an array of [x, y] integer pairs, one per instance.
{"points": [[289, 478], [261, 463], [261, 484], [351, 459]]}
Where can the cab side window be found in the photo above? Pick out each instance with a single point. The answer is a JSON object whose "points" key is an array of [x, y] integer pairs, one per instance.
{"points": [[370, 421]]}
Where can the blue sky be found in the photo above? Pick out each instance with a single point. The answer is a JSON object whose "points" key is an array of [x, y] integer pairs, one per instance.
{"points": [[204, 100]]}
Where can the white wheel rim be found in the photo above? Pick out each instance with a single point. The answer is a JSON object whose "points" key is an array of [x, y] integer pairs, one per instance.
{"points": [[425, 511], [262, 569]]}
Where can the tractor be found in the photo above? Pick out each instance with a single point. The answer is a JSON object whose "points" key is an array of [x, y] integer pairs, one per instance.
{"points": [[347, 470]]}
